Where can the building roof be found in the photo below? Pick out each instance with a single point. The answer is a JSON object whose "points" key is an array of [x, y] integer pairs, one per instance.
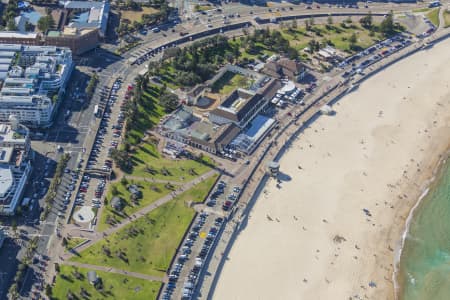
{"points": [[81, 4], [247, 140], [10, 136], [6, 176], [4, 67], [7, 54], [269, 90], [92, 276], [179, 119], [116, 202], [283, 66], [20, 22], [12, 48], [18, 35], [54, 33], [291, 65], [236, 106], [96, 18], [227, 133], [6, 60]]}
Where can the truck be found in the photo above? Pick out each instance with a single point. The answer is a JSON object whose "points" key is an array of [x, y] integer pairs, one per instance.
{"points": [[96, 111]]}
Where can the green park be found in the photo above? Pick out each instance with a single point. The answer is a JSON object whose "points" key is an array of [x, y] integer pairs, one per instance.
{"points": [[72, 283], [148, 244]]}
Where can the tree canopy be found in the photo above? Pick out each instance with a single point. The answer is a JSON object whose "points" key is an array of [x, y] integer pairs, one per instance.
{"points": [[387, 26], [45, 23], [367, 21], [169, 101]]}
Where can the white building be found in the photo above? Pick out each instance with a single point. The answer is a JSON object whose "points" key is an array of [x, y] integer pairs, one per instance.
{"points": [[33, 78], [15, 165], [97, 14]]}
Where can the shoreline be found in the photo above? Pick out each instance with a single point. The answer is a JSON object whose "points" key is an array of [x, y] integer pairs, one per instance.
{"points": [[401, 212], [421, 201]]}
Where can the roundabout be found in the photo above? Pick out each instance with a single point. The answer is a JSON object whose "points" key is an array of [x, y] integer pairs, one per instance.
{"points": [[84, 215]]}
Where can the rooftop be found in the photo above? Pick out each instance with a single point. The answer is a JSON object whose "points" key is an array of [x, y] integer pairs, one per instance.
{"points": [[10, 136], [6, 177], [179, 119], [29, 73], [17, 34], [94, 14], [236, 100]]}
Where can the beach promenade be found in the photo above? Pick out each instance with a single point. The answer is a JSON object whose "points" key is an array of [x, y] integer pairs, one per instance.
{"points": [[256, 239]]}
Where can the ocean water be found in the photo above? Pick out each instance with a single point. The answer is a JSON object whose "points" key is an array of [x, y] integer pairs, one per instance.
{"points": [[425, 260]]}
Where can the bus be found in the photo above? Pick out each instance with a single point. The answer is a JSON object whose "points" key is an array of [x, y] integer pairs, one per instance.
{"points": [[434, 4], [96, 111]]}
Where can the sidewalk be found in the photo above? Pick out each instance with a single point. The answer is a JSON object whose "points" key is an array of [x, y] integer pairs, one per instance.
{"points": [[117, 271]]}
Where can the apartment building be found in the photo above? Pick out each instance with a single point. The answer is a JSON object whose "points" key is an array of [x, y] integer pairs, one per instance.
{"points": [[32, 79], [15, 164]]}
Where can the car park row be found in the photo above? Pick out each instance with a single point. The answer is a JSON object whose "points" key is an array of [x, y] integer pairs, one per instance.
{"points": [[99, 165], [186, 252], [193, 255], [376, 52]]}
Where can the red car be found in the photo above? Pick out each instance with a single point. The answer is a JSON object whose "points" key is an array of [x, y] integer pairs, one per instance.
{"points": [[226, 206]]}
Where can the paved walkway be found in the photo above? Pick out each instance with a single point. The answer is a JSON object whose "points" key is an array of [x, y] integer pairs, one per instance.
{"points": [[441, 17], [117, 271], [149, 179]]}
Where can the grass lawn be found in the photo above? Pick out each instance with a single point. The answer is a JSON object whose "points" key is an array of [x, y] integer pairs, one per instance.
{"points": [[115, 286], [433, 16], [447, 18], [148, 162], [149, 243], [167, 75], [72, 242], [244, 54], [336, 35], [134, 15], [418, 10], [150, 113], [150, 193], [202, 7], [200, 191], [229, 82]]}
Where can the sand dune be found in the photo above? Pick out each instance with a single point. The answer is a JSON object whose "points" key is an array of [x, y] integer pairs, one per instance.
{"points": [[376, 154]]}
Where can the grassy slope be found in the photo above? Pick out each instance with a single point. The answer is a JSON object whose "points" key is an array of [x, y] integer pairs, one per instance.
{"points": [[433, 16], [136, 15], [152, 247], [148, 155], [116, 286], [338, 36], [149, 195], [447, 18], [73, 242], [150, 115]]}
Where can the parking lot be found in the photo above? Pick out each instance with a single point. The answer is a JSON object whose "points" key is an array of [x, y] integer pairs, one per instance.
{"points": [[371, 55], [199, 242], [99, 161]]}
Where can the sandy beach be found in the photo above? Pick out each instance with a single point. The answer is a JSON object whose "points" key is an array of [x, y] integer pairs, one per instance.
{"points": [[333, 228]]}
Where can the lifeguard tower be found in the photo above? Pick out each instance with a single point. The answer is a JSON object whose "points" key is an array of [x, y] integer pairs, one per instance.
{"points": [[273, 168]]}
